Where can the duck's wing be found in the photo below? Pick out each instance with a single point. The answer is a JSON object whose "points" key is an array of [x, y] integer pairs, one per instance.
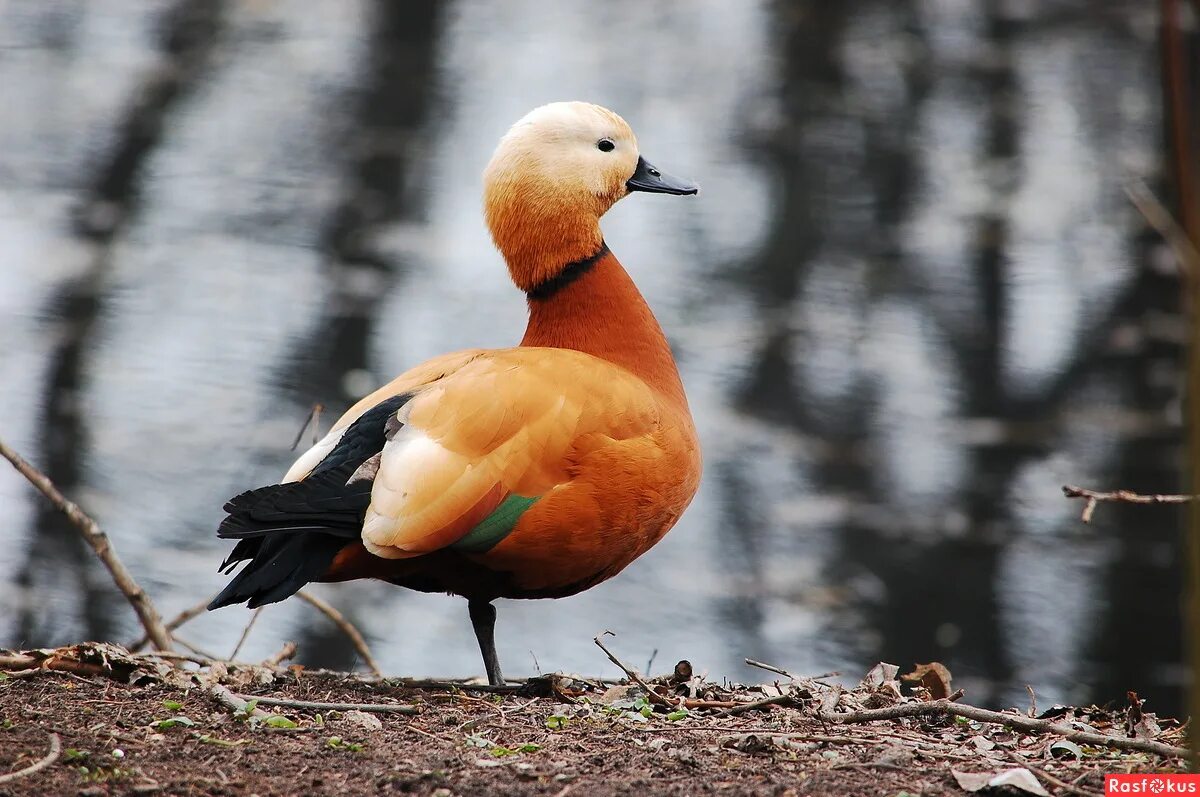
{"points": [[470, 453], [449, 454], [409, 381]]}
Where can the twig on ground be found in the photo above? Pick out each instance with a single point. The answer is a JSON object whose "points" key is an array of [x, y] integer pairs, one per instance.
{"points": [[37, 766], [174, 623], [286, 652], [1017, 721], [762, 734], [693, 702], [245, 633], [194, 658], [780, 671], [309, 705], [770, 668], [23, 663], [1091, 497], [742, 708], [201, 652], [871, 765], [347, 628], [238, 704], [1032, 701], [653, 696], [98, 540], [512, 687]]}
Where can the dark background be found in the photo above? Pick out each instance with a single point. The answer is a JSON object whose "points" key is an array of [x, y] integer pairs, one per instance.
{"points": [[911, 301]]}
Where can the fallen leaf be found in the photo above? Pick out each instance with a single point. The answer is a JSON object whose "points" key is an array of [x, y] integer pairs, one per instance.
{"points": [[934, 676], [881, 675], [982, 743], [1017, 778], [1140, 724], [882, 684]]}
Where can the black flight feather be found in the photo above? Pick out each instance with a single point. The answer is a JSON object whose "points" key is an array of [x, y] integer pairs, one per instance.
{"points": [[292, 532]]}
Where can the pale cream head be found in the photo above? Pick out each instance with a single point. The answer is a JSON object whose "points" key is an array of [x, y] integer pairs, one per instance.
{"points": [[550, 180], [567, 153], [553, 175]]}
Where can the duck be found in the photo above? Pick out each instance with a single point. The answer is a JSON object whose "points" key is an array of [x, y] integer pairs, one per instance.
{"points": [[535, 471]]}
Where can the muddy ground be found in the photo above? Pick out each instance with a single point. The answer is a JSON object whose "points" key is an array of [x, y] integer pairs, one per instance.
{"points": [[170, 733]]}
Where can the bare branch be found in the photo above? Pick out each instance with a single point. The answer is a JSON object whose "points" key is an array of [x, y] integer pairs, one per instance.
{"points": [[309, 705], [238, 704], [653, 696], [286, 652], [245, 633], [1092, 497], [1158, 217], [37, 766], [314, 419], [174, 623], [98, 540], [1021, 723]]}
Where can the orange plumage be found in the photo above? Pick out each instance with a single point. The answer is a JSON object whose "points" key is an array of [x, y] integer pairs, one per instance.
{"points": [[534, 471]]}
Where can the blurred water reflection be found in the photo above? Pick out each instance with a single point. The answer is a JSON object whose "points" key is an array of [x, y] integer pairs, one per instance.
{"points": [[911, 301]]}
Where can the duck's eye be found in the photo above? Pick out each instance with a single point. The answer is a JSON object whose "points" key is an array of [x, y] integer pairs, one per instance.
{"points": [[606, 145]]}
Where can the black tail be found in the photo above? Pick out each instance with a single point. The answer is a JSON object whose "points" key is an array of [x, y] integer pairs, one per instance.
{"points": [[290, 533]]}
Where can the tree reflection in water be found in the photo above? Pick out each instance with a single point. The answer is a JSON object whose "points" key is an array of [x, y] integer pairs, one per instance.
{"points": [[910, 303]]}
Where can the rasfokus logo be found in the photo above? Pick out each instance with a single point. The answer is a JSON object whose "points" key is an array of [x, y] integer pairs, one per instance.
{"points": [[1152, 784]]}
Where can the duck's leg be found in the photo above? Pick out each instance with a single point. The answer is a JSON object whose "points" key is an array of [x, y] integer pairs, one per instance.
{"points": [[483, 620]]}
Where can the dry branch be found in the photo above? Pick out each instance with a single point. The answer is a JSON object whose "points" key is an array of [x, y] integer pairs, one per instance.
{"points": [[1092, 497], [1021, 723], [309, 705], [347, 628], [238, 704], [314, 419], [742, 708], [20, 663], [174, 623], [653, 696], [37, 766], [245, 633], [98, 540], [1158, 217], [286, 652]]}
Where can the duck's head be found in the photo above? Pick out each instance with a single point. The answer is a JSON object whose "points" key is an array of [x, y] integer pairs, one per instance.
{"points": [[554, 174]]}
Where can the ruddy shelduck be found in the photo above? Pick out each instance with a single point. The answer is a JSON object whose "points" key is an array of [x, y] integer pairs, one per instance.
{"points": [[529, 472]]}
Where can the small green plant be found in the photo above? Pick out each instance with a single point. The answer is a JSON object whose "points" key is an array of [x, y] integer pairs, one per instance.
{"points": [[247, 711], [677, 715], [172, 705], [337, 743], [556, 722], [279, 721], [81, 761], [180, 721]]}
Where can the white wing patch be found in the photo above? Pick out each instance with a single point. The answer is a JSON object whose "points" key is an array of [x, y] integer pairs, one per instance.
{"points": [[313, 456], [420, 489]]}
